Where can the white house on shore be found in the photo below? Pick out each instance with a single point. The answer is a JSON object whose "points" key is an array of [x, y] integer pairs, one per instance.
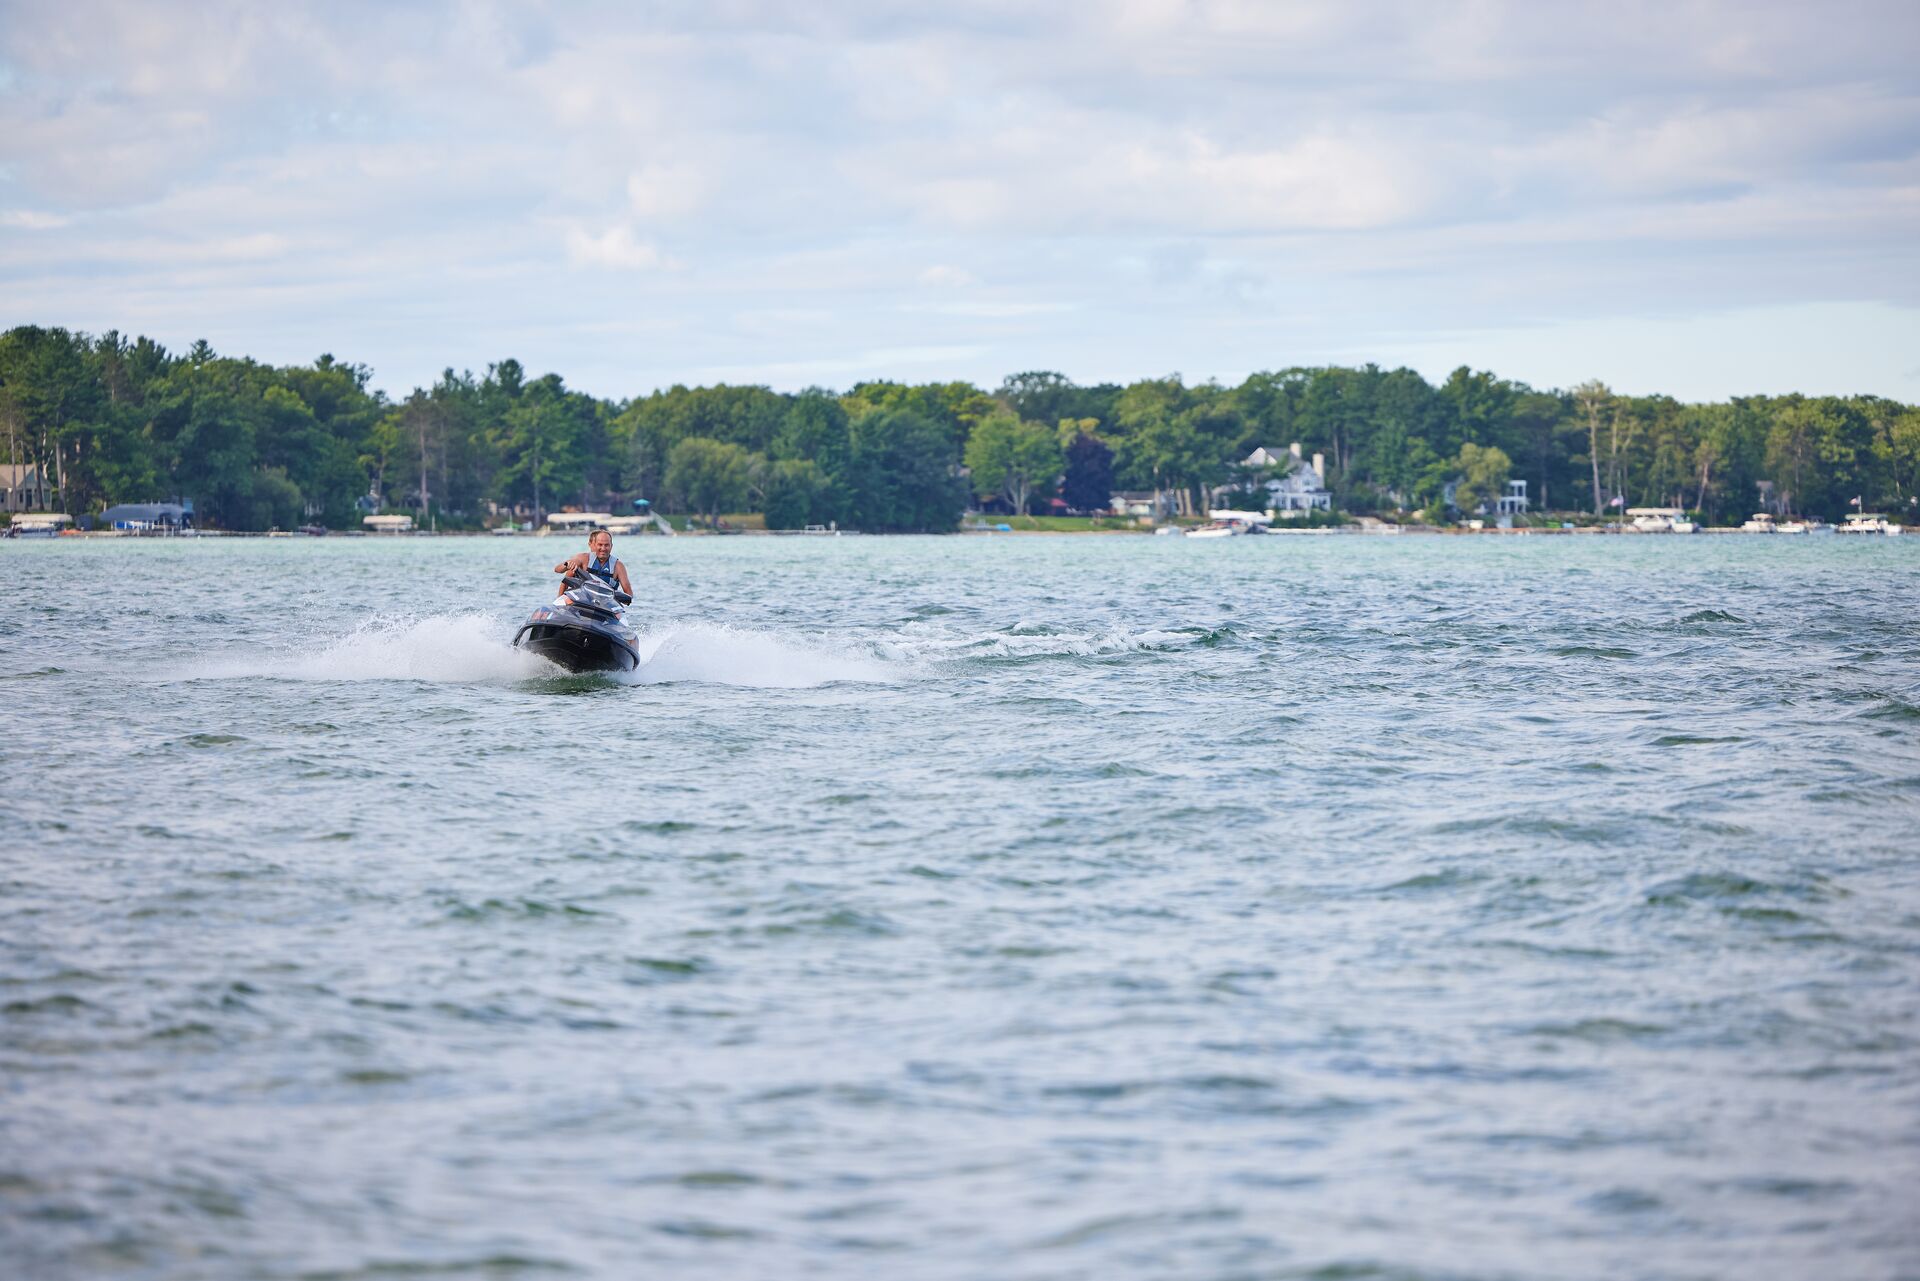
{"points": [[1138, 503], [1511, 503], [23, 488], [1301, 490]]}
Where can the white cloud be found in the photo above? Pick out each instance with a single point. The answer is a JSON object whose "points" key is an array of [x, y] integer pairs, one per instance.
{"points": [[946, 276], [32, 219], [616, 247], [1182, 183], [666, 192]]}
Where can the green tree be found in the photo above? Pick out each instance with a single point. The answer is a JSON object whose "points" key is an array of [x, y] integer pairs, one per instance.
{"points": [[1009, 457], [955, 407], [1903, 455], [274, 501], [1042, 396], [1156, 443], [1476, 407], [54, 392], [1088, 484], [1792, 451], [798, 494], [210, 421], [816, 427], [328, 433], [709, 476], [1484, 470], [1273, 403], [900, 475], [1594, 400], [745, 416], [541, 437], [1539, 427]]}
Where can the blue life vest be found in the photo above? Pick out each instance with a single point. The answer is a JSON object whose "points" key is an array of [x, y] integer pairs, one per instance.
{"points": [[603, 570]]}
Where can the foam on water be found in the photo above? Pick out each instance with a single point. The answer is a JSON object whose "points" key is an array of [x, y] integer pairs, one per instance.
{"points": [[477, 649], [1028, 639], [468, 649], [720, 655]]}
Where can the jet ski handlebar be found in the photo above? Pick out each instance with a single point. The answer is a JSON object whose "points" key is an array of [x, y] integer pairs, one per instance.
{"points": [[574, 581]]}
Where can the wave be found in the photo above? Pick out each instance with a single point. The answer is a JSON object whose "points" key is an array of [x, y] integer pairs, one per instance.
{"points": [[719, 655], [466, 649], [1031, 640], [476, 649], [723, 655]]}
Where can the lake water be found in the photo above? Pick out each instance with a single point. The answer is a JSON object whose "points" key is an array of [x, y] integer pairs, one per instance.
{"points": [[995, 908]]}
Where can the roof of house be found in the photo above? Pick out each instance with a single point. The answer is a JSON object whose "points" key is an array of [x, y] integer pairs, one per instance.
{"points": [[143, 511]]}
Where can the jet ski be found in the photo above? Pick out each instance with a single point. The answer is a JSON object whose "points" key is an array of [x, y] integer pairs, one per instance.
{"points": [[584, 630]]}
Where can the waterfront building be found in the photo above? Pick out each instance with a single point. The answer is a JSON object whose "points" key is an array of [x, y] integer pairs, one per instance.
{"points": [[139, 517], [23, 488], [1303, 489], [578, 522], [1136, 502]]}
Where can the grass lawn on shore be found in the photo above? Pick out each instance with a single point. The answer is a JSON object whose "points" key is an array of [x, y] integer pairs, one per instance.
{"points": [[1062, 524]]}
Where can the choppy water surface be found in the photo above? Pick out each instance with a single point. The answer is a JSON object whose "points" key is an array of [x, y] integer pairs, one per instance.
{"points": [[965, 908]]}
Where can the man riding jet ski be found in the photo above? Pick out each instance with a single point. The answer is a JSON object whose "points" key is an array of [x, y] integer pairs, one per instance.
{"points": [[584, 630]]}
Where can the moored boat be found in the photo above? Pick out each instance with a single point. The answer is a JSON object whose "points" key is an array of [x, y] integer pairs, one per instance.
{"points": [[1230, 523], [39, 525], [1657, 520]]}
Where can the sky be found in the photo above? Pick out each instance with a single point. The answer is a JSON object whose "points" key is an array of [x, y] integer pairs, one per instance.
{"points": [[1699, 198]]}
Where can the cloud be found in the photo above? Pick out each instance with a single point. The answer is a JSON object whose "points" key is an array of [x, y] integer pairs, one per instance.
{"points": [[1188, 183], [32, 219], [666, 192], [616, 247], [945, 276]]}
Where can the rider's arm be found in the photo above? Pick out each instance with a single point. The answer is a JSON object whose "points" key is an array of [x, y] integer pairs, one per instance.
{"points": [[626, 584], [568, 565]]}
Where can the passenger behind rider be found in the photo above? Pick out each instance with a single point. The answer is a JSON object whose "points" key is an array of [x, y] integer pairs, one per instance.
{"points": [[597, 562]]}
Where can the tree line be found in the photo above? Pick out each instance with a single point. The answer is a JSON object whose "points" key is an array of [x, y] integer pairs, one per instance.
{"points": [[109, 420]]}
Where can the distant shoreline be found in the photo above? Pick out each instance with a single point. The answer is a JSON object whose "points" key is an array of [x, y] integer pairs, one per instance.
{"points": [[1350, 531]]}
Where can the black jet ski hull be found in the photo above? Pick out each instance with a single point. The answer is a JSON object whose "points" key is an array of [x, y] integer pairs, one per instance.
{"points": [[578, 646]]}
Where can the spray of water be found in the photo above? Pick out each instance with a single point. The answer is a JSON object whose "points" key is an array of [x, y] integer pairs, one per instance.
{"points": [[476, 649], [471, 649], [760, 660]]}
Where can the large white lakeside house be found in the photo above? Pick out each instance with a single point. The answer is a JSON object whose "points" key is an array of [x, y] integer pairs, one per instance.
{"points": [[1304, 487]]}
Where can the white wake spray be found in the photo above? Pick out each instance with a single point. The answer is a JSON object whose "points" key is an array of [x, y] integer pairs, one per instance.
{"points": [[464, 649], [720, 655], [477, 649]]}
